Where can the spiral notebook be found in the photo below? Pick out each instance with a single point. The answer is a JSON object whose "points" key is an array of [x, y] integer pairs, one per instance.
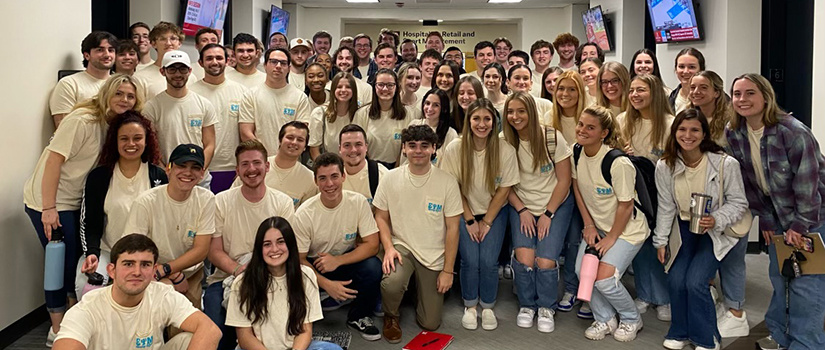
{"points": [[429, 341]]}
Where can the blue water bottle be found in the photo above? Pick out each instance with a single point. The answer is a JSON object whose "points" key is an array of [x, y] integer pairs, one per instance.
{"points": [[55, 256]]}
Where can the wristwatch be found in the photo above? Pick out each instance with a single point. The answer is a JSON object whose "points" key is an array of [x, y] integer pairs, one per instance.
{"points": [[166, 271], [549, 214], [471, 222]]}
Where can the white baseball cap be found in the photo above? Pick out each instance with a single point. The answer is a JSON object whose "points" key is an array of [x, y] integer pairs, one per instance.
{"points": [[299, 42], [176, 56]]}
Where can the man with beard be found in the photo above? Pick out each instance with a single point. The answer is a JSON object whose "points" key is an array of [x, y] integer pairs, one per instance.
{"points": [[362, 174], [247, 53], [98, 50], [226, 96], [133, 312], [566, 45], [453, 53], [322, 42], [268, 106], [278, 40], [203, 37], [299, 51], [238, 212], [409, 51], [366, 67], [180, 218], [164, 37], [139, 33], [180, 116], [344, 60]]}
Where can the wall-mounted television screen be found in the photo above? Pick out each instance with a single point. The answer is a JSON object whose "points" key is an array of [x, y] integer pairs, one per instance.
{"points": [[674, 20], [204, 14], [594, 26], [278, 21]]}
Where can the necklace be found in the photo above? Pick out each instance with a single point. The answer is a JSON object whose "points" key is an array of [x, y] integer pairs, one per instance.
{"points": [[409, 177], [694, 164]]}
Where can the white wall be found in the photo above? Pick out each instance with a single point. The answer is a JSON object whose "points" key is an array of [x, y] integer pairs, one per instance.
{"points": [[627, 29], [27, 126], [732, 44], [818, 79]]}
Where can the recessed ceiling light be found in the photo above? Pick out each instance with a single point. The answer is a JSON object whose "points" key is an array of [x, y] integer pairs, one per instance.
{"points": [[503, 1], [365, 1]]}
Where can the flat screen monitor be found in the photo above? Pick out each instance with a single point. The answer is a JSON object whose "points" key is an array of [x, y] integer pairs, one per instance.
{"points": [[204, 14], [278, 20], [595, 28], [674, 20]]}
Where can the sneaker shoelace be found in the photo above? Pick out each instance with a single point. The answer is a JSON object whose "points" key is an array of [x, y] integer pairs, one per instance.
{"points": [[365, 322], [626, 327], [545, 313]]}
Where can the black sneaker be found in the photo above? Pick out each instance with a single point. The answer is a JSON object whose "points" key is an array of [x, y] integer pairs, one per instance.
{"points": [[366, 328]]}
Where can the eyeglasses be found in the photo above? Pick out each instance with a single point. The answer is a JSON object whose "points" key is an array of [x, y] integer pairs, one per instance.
{"points": [[385, 85], [173, 38], [275, 62], [614, 82], [176, 70]]}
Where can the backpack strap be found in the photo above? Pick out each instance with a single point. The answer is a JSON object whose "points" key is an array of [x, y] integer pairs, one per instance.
{"points": [[372, 170], [577, 152], [607, 163], [550, 141]]}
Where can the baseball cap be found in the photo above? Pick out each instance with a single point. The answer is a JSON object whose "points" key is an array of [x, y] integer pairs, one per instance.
{"points": [[186, 153], [176, 56], [299, 42]]}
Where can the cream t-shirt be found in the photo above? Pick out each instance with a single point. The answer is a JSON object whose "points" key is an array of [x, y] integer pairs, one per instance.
{"points": [[364, 92], [535, 89], [144, 65], [682, 103], [321, 130], [237, 221], [297, 182], [543, 106], [642, 134], [151, 82], [73, 89], [269, 109], [313, 105], [602, 200], [273, 332], [119, 198], [536, 186], [360, 181], [179, 120], [477, 196], [451, 135], [568, 126], [383, 134], [297, 80], [100, 323], [416, 105], [247, 80], [418, 205], [755, 141], [171, 224], [319, 229], [364, 70], [79, 140], [226, 98], [690, 181]]}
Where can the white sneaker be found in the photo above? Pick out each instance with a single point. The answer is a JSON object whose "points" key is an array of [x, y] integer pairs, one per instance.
{"points": [[663, 313], [488, 320], [627, 331], [598, 330], [50, 337], [641, 305], [675, 344], [546, 323], [525, 317], [508, 272], [715, 346], [470, 318], [500, 272], [731, 326], [567, 302], [720, 310]]}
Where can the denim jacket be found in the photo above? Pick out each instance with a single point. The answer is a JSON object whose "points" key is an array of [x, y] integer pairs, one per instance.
{"points": [[794, 170], [726, 215]]}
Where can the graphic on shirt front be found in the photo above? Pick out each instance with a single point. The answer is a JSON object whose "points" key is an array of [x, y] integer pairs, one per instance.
{"points": [[545, 169], [144, 343], [289, 112], [604, 191]]}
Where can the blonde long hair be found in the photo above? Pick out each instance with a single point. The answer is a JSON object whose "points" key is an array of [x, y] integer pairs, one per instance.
{"points": [[98, 105], [608, 122], [491, 157], [772, 111], [538, 147], [722, 111], [580, 105], [621, 72], [659, 108]]}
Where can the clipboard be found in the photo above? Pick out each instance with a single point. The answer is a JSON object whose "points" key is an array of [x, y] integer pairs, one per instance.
{"points": [[815, 265]]}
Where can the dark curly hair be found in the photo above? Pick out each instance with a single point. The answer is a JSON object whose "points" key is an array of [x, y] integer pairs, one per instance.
{"points": [[109, 155]]}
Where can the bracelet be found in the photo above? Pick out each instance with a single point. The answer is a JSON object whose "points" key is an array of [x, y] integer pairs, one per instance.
{"points": [[235, 271], [588, 226], [485, 223], [182, 278], [449, 272], [49, 208], [522, 210]]}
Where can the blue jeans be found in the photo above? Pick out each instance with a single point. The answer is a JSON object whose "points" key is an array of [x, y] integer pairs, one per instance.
{"points": [[540, 287], [366, 279], [801, 326], [692, 307], [649, 273], [732, 275], [212, 298], [610, 297], [70, 219], [571, 250], [479, 262]]}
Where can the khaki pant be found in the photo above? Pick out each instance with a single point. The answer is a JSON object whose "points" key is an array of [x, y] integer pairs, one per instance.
{"points": [[194, 294], [394, 284]]}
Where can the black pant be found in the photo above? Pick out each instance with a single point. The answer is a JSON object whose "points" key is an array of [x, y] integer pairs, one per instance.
{"points": [[366, 279]]}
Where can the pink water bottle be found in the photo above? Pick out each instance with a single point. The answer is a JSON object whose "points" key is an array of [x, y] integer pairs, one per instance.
{"points": [[587, 275], [94, 281]]}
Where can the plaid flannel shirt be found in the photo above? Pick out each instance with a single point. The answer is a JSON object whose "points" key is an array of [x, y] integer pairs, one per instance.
{"points": [[794, 171]]}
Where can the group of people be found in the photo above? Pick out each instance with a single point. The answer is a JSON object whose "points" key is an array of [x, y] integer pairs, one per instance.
{"points": [[332, 178]]}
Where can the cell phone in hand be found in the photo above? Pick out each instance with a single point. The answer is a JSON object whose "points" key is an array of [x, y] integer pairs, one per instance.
{"points": [[807, 243]]}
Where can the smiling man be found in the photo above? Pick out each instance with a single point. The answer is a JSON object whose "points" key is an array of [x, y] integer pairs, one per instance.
{"points": [[566, 44], [484, 53], [239, 210], [428, 61], [98, 49], [327, 227], [180, 218], [247, 54], [203, 37], [139, 33], [134, 311], [164, 37], [542, 52], [362, 174], [226, 96], [409, 50], [366, 66], [385, 56]]}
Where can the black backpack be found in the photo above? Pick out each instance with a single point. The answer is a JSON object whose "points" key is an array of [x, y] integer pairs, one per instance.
{"points": [[645, 181]]}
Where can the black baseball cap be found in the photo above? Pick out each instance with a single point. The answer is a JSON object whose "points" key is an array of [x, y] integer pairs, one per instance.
{"points": [[186, 153]]}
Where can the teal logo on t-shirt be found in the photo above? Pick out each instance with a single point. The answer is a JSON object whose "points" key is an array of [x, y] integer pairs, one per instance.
{"points": [[234, 107], [396, 136], [143, 343], [350, 236], [289, 111], [604, 191], [434, 207], [295, 201], [195, 123], [498, 180], [190, 233], [546, 168]]}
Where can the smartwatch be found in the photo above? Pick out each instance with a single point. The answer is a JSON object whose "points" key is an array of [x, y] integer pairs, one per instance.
{"points": [[470, 222], [166, 271], [549, 214]]}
